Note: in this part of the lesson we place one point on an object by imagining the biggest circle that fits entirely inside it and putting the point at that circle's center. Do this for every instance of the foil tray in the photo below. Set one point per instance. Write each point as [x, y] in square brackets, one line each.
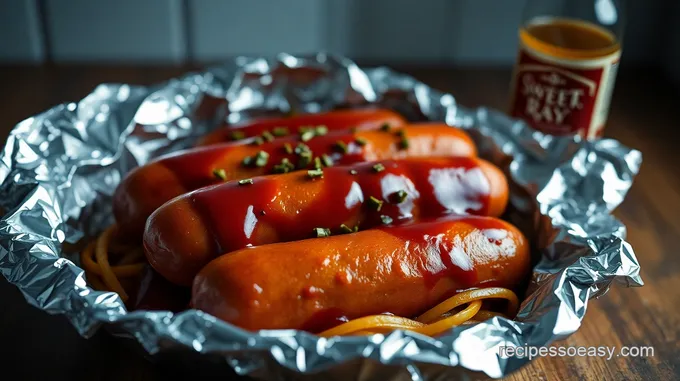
[59, 169]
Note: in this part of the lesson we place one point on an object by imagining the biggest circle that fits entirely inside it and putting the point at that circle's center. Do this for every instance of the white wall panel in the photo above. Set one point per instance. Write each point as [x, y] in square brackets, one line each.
[222, 29]
[483, 31]
[121, 30]
[21, 37]
[392, 30]
[467, 32]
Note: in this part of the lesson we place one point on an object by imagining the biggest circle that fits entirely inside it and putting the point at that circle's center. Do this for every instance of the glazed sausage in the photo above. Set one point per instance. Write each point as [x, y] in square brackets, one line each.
[333, 121]
[147, 187]
[317, 283]
[187, 232]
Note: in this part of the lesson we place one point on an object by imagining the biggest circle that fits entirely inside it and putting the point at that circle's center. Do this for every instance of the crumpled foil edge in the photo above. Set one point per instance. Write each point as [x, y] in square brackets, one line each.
[58, 170]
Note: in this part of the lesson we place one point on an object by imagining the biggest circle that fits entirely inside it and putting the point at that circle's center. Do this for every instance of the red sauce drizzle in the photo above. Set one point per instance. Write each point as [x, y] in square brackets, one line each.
[241, 204]
[193, 167]
[420, 238]
[339, 201]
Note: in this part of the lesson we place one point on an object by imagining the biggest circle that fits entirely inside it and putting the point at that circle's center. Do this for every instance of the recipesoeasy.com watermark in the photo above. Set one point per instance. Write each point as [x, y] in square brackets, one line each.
[607, 352]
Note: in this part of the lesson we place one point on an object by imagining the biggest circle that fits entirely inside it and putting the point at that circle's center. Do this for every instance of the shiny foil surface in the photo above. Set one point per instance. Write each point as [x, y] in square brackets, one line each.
[58, 171]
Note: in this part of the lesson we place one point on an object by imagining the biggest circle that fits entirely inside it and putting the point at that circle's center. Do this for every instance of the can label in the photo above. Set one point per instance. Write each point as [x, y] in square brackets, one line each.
[563, 96]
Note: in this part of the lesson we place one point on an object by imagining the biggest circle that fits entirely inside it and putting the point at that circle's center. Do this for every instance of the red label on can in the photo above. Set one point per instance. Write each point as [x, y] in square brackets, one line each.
[561, 97]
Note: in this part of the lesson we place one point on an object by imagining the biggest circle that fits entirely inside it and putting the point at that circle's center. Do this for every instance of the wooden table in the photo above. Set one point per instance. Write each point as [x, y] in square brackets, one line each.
[644, 116]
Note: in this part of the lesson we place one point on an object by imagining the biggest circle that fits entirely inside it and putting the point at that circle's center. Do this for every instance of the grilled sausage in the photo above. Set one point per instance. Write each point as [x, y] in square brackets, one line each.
[317, 283]
[187, 232]
[333, 121]
[150, 186]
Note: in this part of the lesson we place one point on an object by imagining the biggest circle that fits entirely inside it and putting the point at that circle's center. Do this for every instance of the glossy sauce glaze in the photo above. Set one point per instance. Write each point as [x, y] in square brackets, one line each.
[333, 121]
[194, 168]
[295, 206]
[148, 187]
[460, 256]
[416, 265]
[441, 256]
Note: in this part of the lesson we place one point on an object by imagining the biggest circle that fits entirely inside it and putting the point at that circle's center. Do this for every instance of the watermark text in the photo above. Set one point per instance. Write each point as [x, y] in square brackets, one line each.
[607, 352]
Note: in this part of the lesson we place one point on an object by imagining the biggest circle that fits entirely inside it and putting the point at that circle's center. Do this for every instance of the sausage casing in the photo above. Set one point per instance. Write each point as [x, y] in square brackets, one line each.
[317, 283]
[148, 187]
[337, 120]
[187, 232]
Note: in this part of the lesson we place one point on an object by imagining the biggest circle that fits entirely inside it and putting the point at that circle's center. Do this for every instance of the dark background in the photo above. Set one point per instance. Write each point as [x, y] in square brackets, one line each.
[53, 51]
[424, 32]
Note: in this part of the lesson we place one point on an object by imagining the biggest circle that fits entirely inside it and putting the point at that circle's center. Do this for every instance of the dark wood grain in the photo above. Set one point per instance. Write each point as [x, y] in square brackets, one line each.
[644, 116]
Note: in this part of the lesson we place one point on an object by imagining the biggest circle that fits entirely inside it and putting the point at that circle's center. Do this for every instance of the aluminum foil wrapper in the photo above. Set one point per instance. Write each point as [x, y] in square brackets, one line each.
[58, 171]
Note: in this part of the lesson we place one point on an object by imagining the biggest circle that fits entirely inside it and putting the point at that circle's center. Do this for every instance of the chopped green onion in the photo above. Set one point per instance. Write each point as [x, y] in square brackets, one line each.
[398, 197]
[353, 172]
[321, 130]
[220, 174]
[345, 228]
[237, 135]
[258, 140]
[378, 167]
[356, 228]
[317, 163]
[361, 141]
[342, 146]
[288, 148]
[322, 232]
[267, 136]
[385, 127]
[245, 181]
[374, 203]
[307, 135]
[305, 159]
[403, 143]
[285, 166]
[280, 131]
[327, 161]
[261, 159]
[300, 148]
[314, 173]
[247, 161]
[386, 219]
[401, 133]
